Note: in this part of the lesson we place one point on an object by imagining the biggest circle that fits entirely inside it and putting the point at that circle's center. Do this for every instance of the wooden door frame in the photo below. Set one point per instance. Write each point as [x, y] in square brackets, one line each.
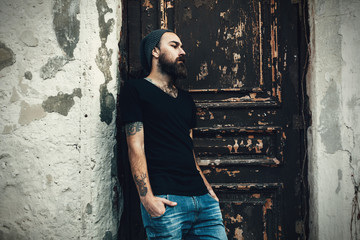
[302, 122]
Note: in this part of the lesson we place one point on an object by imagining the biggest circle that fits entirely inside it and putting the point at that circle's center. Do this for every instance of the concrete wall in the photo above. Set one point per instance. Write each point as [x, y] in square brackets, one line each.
[58, 86]
[334, 138]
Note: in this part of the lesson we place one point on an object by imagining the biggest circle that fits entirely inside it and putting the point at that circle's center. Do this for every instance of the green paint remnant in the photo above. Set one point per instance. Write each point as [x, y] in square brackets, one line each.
[62, 103]
[107, 104]
[29, 113]
[2, 156]
[28, 75]
[7, 56]
[103, 61]
[88, 208]
[105, 27]
[66, 24]
[53, 65]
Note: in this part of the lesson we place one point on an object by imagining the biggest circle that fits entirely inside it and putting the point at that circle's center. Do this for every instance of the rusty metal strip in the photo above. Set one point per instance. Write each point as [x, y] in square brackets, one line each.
[248, 186]
[243, 162]
[163, 17]
[248, 104]
[215, 90]
[260, 46]
[258, 129]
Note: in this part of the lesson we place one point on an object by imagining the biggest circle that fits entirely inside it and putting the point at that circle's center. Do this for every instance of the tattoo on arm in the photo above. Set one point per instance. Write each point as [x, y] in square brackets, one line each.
[140, 182]
[133, 128]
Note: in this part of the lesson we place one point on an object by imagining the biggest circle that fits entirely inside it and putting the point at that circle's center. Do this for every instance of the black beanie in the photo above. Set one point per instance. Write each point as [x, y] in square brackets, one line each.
[147, 45]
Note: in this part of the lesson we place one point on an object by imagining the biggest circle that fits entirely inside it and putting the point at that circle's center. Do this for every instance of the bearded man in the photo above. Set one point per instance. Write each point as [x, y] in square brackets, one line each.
[177, 202]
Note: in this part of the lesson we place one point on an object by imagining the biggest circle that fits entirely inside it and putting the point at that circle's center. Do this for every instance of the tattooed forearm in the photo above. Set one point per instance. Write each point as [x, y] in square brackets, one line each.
[140, 182]
[133, 128]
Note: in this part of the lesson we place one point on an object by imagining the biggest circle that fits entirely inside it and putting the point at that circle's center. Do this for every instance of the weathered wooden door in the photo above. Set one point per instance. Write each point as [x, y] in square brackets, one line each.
[242, 57]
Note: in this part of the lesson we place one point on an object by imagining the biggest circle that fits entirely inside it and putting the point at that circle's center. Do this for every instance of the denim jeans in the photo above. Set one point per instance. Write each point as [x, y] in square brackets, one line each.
[196, 217]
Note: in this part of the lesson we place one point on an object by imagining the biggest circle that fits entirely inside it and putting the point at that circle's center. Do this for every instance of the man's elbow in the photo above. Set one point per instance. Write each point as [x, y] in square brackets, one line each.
[135, 151]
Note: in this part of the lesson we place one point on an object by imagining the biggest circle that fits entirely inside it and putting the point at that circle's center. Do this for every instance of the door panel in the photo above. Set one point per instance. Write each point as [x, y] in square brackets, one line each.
[232, 50]
[223, 146]
[242, 59]
[251, 211]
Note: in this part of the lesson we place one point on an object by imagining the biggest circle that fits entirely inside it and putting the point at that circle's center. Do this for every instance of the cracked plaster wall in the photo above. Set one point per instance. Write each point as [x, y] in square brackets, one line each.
[58, 175]
[334, 135]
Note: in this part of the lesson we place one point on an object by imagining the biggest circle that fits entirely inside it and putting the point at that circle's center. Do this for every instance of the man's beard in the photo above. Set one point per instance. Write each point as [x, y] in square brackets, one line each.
[177, 70]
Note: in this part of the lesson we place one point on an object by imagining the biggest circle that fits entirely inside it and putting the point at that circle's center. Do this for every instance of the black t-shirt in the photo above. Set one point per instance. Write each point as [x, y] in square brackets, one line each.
[168, 147]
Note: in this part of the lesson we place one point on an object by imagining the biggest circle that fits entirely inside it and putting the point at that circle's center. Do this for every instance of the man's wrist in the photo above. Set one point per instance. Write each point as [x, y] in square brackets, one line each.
[147, 198]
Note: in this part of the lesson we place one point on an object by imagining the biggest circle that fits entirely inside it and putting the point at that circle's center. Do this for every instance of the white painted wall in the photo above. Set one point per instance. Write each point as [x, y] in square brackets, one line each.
[334, 137]
[55, 169]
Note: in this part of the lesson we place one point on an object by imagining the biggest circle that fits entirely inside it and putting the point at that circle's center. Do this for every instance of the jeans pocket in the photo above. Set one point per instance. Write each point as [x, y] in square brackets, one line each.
[157, 217]
[162, 196]
[166, 207]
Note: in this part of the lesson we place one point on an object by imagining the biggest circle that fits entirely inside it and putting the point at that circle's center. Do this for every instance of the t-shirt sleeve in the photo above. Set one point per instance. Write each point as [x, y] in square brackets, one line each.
[193, 116]
[130, 104]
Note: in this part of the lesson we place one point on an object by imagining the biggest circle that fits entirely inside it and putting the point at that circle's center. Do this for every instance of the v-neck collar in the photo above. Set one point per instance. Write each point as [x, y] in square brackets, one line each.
[152, 83]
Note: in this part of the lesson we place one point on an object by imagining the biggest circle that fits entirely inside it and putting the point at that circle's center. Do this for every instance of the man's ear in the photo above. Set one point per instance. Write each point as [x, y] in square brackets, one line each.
[156, 52]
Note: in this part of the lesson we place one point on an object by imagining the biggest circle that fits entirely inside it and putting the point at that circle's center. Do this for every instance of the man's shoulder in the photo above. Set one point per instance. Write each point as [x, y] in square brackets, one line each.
[136, 82]
[138, 85]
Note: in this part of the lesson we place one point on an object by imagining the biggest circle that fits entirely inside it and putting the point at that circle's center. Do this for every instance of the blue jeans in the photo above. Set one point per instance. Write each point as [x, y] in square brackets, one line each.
[196, 217]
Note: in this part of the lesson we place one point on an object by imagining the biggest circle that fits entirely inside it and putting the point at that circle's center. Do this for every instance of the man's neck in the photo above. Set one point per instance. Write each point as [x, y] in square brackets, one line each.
[161, 79]
[163, 82]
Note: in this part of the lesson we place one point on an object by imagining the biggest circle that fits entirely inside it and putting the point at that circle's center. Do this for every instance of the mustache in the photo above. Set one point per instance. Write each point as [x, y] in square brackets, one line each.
[181, 58]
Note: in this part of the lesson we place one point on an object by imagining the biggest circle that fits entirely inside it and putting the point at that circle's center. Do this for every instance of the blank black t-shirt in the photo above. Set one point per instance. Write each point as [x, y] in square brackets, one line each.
[168, 147]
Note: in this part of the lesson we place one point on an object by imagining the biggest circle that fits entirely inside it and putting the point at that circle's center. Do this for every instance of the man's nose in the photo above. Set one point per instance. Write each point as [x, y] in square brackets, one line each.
[182, 52]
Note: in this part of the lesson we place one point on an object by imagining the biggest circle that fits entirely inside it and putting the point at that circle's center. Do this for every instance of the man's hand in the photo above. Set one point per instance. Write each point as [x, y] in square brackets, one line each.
[155, 206]
[213, 195]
